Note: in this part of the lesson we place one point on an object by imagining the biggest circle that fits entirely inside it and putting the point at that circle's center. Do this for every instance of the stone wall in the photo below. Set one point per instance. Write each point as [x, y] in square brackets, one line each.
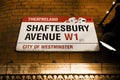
[12, 11]
[60, 68]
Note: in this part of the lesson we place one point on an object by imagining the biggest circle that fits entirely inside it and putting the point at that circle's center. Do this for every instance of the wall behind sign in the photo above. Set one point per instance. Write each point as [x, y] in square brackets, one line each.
[12, 11]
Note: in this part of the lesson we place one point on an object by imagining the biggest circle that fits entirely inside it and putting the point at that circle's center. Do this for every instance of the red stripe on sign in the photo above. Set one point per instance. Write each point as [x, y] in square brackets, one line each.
[44, 19]
[88, 19]
[56, 19]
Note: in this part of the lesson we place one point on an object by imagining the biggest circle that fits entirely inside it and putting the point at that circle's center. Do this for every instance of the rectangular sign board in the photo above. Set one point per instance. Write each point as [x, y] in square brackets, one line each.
[53, 33]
